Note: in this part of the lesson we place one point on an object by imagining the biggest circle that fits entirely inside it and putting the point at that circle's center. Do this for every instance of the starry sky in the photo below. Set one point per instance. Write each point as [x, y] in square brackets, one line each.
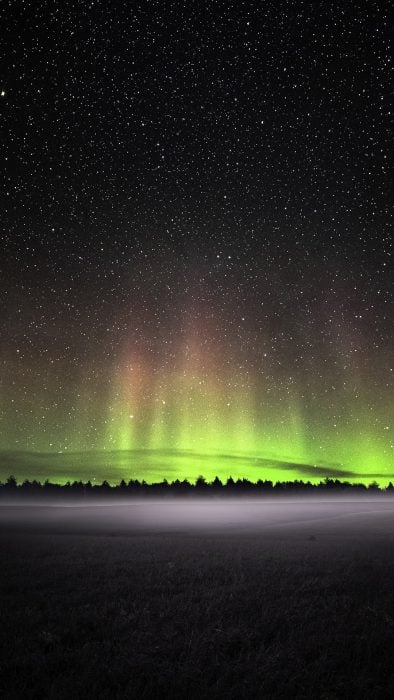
[195, 244]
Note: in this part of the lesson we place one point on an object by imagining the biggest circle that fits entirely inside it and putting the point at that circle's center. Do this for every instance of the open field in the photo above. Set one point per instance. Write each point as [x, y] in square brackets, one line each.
[291, 599]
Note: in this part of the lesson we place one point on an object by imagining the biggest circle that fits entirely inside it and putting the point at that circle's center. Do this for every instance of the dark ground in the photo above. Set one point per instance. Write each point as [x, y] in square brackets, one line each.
[294, 602]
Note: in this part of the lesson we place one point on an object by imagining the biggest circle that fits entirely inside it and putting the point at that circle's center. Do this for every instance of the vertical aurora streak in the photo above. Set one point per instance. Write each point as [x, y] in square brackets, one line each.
[210, 410]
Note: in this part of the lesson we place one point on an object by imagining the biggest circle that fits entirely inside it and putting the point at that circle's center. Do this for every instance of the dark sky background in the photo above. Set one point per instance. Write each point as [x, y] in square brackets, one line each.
[196, 237]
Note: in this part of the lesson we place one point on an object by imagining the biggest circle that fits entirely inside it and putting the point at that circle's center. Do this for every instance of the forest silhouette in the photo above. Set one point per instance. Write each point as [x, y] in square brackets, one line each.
[200, 487]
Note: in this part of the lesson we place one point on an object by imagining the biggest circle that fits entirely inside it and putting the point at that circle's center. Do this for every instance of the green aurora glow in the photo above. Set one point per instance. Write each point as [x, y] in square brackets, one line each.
[202, 419]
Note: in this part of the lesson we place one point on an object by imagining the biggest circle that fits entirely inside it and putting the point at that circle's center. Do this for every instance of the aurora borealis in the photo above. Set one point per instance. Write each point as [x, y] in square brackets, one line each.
[195, 269]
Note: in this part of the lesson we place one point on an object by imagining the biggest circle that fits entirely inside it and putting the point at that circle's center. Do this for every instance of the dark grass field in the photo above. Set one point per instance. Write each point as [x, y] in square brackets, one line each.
[250, 600]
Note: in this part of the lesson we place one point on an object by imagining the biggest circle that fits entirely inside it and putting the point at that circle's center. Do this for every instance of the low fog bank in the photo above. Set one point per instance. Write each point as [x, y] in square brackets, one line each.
[136, 516]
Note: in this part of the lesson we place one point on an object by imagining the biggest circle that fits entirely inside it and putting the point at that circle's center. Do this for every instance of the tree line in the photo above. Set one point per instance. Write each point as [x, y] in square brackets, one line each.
[201, 486]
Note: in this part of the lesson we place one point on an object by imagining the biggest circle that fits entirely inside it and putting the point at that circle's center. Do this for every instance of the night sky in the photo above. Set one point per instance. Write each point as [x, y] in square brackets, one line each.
[195, 243]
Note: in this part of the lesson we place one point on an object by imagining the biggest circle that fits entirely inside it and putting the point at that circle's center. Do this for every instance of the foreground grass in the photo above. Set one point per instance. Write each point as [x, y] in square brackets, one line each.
[196, 616]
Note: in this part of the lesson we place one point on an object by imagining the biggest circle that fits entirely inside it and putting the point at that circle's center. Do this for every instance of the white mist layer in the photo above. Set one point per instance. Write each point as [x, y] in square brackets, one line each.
[233, 516]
